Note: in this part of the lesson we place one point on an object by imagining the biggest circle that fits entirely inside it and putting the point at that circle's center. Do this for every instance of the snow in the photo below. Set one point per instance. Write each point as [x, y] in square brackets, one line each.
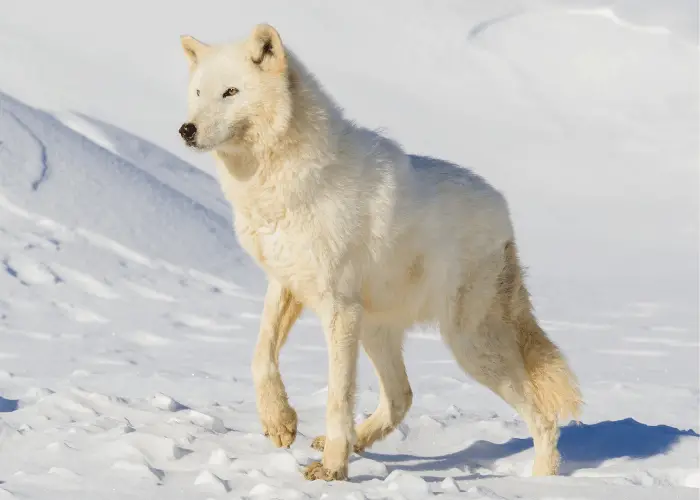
[128, 312]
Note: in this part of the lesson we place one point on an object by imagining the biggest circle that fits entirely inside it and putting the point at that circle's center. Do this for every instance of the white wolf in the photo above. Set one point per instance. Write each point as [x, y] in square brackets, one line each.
[373, 241]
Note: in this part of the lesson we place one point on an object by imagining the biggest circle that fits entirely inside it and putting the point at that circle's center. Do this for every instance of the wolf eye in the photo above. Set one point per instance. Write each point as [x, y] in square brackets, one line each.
[229, 92]
[197, 91]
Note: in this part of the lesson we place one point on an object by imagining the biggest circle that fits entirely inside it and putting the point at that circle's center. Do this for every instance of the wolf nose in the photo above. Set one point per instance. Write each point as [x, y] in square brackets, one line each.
[188, 131]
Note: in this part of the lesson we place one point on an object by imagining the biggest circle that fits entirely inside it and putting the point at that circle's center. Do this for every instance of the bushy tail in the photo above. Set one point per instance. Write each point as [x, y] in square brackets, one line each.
[554, 386]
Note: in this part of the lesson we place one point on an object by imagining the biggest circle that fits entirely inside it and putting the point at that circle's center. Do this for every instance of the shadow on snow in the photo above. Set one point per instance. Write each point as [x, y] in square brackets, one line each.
[8, 405]
[581, 446]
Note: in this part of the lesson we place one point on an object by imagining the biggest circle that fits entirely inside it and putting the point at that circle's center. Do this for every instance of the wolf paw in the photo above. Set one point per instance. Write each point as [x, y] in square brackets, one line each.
[547, 465]
[319, 444]
[282, 428]
[316, 470]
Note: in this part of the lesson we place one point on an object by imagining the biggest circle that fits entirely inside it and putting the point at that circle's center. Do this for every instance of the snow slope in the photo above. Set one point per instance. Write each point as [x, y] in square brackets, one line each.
[128, 313]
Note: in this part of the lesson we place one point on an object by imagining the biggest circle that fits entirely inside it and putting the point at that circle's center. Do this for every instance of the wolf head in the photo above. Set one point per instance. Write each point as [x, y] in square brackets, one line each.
[238, 93]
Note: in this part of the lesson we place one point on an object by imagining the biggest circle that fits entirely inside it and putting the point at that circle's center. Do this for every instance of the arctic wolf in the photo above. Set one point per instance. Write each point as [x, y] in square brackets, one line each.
[372, 240]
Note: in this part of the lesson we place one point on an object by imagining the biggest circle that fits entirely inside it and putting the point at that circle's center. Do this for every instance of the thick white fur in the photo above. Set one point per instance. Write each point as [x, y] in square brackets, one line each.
[373, 240]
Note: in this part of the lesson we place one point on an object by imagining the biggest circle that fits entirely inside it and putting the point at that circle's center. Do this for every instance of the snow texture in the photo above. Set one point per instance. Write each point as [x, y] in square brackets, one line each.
[128, 312]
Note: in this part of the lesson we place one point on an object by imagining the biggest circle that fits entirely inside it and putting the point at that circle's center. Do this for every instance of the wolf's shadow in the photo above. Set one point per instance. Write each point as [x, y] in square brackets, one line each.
[582, 446]
[8, 405]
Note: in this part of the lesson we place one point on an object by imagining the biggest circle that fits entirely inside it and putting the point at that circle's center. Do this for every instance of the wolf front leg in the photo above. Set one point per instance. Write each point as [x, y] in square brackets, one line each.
[280, 311]
[341, 325]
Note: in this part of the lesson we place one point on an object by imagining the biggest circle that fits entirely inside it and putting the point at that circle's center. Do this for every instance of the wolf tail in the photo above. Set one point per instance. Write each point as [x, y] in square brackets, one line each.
[552, 383]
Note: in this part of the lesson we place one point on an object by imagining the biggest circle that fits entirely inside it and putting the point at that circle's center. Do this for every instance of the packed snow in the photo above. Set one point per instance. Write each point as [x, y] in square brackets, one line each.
[128, 312]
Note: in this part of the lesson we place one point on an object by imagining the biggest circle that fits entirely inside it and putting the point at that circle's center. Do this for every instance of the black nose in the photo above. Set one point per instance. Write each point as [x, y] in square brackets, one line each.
[188, 131]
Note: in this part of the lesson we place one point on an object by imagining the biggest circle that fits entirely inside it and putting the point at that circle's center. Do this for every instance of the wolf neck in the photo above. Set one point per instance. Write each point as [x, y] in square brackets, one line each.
[310, 141]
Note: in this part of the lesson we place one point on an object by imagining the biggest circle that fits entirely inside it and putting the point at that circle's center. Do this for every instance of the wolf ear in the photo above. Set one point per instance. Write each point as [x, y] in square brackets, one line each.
[194, 49]
[266, 49]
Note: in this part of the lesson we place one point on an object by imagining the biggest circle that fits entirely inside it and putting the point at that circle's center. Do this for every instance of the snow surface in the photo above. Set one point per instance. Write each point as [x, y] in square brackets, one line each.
[128, 313]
